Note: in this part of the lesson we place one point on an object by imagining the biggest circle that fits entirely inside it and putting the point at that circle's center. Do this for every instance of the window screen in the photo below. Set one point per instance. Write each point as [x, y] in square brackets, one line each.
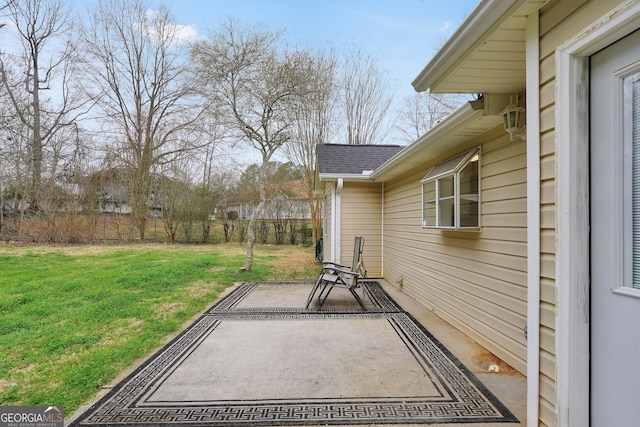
[635, 179]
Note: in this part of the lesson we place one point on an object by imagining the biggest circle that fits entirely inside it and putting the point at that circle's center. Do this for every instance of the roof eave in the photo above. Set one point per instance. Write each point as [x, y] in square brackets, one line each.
[446, 136]
[486, 17]
[345, 176]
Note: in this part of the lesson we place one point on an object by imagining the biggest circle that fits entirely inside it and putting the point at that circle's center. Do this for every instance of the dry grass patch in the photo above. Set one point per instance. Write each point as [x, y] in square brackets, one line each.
[294, 263]
[202, 288]
[4, 384]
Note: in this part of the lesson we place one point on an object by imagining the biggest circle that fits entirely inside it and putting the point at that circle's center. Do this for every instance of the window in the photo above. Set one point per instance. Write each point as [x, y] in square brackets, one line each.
[451, 193]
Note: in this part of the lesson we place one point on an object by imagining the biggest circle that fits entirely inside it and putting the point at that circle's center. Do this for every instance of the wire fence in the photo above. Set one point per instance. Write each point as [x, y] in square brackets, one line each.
[110, 228]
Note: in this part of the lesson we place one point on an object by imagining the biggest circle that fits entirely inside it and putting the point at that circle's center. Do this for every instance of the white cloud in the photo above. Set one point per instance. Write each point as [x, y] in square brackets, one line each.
[183, 33]
[445, 28]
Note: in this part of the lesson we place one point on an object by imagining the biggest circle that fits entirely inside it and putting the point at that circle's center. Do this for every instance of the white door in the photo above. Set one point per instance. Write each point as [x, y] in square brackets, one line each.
[615, 239]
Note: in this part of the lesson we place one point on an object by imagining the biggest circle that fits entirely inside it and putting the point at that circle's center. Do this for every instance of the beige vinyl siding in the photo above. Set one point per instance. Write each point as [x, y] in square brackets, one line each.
[476, 280]
[362, 216]
[559, 22]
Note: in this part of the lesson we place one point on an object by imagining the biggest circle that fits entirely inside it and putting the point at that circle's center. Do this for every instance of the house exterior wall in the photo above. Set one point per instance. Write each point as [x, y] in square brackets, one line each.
[476, 280]
[559, 22]
[362, 216]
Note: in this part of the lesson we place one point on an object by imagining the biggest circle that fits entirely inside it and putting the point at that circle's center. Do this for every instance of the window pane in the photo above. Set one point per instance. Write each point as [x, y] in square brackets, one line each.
[469, 178]
[469, 213]
[446, 201]
[446, 212]
[429, 214]
[446, 187]
[429, 208]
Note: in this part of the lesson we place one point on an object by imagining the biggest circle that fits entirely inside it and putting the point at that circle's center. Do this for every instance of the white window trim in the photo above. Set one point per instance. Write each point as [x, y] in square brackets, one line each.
[627, 292]
[455, 171]
[572, 191]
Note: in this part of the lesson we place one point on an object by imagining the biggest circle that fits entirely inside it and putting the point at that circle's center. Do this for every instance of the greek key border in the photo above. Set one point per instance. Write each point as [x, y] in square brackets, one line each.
[382, 302]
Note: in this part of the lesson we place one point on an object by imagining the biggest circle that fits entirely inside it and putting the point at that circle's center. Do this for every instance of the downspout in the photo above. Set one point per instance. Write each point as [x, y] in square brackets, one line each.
[338, 216]
[382, 234]
[533, 217]
[332, 246]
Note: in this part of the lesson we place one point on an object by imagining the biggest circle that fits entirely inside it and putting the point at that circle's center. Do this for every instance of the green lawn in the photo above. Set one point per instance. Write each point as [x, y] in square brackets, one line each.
[72, 318]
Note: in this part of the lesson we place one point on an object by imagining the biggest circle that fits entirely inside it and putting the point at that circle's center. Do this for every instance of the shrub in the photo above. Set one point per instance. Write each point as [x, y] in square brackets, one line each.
[58, 229]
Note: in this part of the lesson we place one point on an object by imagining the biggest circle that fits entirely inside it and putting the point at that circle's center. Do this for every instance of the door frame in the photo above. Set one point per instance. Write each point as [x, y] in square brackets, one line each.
[572, 209]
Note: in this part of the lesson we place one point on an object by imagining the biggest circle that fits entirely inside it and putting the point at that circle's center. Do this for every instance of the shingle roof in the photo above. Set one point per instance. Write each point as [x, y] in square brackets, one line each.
[352, 159]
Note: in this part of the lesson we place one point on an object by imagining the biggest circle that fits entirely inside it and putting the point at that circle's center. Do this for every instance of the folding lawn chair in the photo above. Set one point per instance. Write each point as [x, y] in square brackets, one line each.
[340, 275]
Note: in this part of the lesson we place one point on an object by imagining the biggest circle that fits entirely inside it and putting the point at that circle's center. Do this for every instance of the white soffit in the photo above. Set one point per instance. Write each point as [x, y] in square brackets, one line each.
[487, 54]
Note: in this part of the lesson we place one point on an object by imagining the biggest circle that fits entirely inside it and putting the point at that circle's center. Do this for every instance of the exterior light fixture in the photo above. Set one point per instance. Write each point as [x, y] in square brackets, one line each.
[513, 117]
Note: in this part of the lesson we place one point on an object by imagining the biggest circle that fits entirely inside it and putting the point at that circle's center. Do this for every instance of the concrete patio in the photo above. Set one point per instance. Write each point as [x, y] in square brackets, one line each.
[258, 357]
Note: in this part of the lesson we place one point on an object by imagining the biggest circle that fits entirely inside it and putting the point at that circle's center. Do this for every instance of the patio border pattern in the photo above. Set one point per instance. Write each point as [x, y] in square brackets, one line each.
[462, 398]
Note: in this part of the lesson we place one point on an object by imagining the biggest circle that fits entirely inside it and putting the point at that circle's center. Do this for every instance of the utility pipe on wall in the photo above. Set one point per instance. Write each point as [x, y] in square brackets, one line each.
[338, 215]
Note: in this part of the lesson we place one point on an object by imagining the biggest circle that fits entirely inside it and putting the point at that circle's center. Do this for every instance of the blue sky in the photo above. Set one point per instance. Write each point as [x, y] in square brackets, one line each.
[403, 34]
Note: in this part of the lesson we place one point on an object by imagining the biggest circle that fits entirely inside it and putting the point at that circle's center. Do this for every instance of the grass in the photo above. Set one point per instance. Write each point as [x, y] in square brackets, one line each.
[75, 317]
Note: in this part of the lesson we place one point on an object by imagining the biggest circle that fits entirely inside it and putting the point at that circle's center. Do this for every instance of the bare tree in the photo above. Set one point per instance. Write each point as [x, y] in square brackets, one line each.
[367, 99]
[222, 183]
[204, 167]
[172, 191]
[421, 111]
[3, 6]
[9, 167]
[257, 81]
[138, 75]
[214, 131]
[43, 61]
[314, 124]
[14, 164]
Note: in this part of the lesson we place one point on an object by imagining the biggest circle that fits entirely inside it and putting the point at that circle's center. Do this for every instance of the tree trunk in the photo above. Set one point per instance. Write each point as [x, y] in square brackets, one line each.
[250, 241]
[316, 217]
[255, 215]
[36, 146]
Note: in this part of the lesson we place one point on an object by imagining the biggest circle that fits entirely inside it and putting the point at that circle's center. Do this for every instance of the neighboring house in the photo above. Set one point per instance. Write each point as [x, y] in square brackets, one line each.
[498, 233]
[285, 201]
[237, 209]
[113, 200]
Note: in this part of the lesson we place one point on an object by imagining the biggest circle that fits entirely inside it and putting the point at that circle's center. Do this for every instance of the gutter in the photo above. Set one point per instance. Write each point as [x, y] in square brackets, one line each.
[344, 177]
